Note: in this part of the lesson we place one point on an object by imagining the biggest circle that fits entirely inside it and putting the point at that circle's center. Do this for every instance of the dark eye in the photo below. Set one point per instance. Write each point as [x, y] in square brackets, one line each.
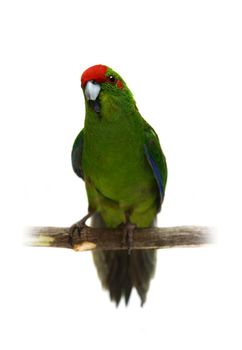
[112, 78]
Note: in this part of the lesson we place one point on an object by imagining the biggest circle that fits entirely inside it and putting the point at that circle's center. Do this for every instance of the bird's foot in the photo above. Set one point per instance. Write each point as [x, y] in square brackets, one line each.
[128, 234]
[76, 230]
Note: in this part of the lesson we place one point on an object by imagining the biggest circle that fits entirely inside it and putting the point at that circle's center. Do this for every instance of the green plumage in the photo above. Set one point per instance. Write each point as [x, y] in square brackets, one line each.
[119, 157]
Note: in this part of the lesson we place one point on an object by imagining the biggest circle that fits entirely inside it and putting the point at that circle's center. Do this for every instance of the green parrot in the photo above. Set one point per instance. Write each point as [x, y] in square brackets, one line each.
[118, 155]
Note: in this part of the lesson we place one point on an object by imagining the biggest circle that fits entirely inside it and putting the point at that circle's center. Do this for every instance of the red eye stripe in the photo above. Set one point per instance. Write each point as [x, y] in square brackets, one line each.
[112, 80]
[120, 84]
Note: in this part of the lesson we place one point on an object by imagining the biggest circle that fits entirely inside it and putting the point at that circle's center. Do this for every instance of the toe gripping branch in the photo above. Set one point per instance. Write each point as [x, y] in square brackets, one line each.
[76, 230]
[128, 235]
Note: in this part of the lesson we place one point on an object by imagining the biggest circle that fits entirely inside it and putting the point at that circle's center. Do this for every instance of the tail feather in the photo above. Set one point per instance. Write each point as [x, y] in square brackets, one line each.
[119, 271]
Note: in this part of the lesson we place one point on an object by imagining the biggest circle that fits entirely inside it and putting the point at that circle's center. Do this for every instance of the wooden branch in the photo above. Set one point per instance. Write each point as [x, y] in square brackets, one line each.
[111, 239]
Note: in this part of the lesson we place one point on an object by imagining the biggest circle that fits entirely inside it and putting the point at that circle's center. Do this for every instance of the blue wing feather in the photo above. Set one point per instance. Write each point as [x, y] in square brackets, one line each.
[156, 159]
[156, 171]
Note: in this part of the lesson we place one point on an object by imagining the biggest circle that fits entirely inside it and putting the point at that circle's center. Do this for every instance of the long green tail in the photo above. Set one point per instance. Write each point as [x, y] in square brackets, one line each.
[119, 271]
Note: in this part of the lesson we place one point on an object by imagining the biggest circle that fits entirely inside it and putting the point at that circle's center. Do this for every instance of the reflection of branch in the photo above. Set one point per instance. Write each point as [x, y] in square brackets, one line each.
[111, 239]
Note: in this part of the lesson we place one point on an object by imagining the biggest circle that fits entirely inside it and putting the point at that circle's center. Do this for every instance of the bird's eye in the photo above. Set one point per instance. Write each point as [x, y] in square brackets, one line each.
[112, 78]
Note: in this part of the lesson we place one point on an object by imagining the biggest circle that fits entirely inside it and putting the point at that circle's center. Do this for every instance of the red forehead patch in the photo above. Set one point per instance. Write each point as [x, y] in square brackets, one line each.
[97, 73]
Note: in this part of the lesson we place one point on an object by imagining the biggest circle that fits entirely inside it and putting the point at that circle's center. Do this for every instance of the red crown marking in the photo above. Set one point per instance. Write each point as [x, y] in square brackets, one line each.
[97, 73]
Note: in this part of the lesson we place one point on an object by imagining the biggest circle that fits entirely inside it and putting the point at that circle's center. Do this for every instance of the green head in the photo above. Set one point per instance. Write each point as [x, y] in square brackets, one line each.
[105, 92]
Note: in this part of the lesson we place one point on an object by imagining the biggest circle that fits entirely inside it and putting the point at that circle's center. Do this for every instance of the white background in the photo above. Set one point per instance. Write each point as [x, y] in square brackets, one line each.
[182, 60]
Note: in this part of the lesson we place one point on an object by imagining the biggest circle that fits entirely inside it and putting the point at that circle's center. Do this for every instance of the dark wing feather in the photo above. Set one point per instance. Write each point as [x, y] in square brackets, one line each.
[76, 154]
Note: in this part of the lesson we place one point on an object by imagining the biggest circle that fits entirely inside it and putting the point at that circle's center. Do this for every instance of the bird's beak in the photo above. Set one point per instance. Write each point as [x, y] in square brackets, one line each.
[92, 90]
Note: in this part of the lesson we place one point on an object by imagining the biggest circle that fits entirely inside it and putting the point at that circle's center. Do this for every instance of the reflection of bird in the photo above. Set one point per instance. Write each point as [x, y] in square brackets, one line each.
[119, 157]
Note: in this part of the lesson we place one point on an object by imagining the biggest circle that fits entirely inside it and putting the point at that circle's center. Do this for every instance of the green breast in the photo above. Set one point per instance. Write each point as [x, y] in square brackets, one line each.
[114, 160]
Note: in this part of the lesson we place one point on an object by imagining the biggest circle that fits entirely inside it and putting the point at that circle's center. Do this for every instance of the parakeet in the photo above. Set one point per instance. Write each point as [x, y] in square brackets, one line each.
[118, 155]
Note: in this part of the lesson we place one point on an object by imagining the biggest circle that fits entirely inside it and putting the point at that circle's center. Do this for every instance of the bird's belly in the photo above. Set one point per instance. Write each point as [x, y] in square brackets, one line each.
[123, 182]
[116, 196]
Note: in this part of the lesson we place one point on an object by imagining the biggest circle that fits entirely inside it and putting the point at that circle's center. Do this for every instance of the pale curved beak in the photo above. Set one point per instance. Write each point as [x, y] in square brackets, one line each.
[92, 90]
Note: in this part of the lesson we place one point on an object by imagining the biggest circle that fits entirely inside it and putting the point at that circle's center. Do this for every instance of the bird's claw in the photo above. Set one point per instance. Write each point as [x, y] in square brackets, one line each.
[128, 234]
[76, 230]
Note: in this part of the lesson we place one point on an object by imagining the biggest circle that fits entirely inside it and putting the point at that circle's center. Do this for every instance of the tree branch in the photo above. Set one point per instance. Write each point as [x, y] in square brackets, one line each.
[111, 239]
